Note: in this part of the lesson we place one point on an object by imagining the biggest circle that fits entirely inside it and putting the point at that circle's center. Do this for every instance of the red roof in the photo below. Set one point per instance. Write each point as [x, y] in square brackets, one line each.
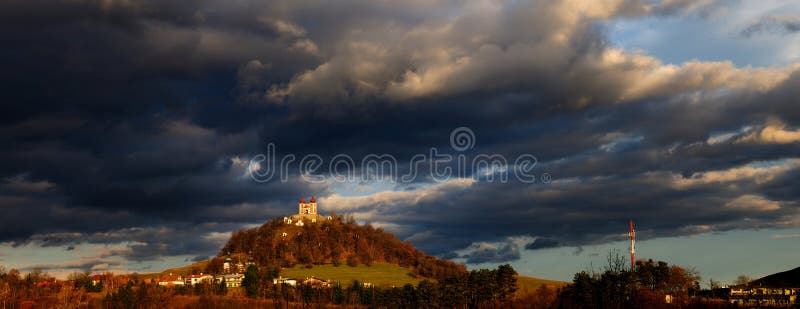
[171, 277]
[302, 200]
[44, 283]
[313, 200]
[97, 277]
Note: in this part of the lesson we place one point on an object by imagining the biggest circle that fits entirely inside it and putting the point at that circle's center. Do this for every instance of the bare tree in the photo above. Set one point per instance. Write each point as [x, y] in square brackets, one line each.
[741, 280]
[616, 262]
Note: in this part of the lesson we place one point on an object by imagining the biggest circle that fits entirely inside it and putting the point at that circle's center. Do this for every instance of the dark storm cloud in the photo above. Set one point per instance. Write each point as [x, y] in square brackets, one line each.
[198, 258]
[490, 254]
[148, 243]
[542, 243]
[112, 104]
[93, 264]
[134, 121]
[590, 210]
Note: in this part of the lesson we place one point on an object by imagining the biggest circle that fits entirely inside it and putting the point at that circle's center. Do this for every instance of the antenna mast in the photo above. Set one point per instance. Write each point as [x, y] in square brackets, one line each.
[632, 234]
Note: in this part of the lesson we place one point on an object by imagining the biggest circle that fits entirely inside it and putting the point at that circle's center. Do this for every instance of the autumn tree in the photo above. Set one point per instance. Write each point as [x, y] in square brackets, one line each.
[652, 275]
[618, 287]
[682, 282]
[506, 281]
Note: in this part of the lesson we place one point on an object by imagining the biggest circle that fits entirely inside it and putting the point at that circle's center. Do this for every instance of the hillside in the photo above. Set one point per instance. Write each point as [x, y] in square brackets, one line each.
[193, 268]
[785, 279]
[335, 241]
[381, 274]
[528, 284]
[388, 275]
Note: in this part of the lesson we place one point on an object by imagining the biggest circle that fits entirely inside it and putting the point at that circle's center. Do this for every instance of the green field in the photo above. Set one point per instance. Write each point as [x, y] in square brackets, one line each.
[380, 274]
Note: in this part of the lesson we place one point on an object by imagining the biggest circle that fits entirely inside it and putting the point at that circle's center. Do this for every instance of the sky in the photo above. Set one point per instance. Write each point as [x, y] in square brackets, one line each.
[134, 133]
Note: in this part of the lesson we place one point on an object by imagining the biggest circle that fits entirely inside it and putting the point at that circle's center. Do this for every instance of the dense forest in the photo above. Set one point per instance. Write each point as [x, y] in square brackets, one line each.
[335, 241]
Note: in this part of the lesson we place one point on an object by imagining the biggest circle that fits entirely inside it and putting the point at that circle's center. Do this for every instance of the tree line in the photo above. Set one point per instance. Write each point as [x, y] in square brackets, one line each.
[615, 287]
[651, 284]
[475, 289]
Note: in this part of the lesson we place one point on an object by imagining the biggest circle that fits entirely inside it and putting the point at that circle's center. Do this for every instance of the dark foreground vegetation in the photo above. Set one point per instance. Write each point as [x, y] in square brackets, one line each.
[475, 289]
[651, 285]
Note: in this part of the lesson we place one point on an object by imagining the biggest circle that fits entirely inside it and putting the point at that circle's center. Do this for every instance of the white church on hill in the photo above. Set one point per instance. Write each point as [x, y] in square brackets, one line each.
[309, 208]
[305, 212]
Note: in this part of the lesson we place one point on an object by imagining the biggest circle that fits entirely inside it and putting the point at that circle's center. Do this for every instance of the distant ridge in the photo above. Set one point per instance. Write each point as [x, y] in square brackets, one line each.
[785, 279]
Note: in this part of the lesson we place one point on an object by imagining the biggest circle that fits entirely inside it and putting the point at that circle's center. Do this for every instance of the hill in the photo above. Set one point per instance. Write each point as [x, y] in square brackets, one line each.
[336, 249]
[335, 240]
[785, 279]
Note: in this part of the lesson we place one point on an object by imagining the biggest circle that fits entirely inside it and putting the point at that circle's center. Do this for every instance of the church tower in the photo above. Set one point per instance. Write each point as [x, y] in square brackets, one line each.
[306, 211]
[309, 208]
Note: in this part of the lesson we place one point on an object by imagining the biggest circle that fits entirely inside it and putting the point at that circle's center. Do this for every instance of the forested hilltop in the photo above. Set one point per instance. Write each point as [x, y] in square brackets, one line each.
[335, 240]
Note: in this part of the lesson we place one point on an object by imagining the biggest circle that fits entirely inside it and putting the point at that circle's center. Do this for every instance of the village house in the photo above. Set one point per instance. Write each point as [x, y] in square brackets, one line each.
[231, 266]
[97, 280]
[230, 280]
[748, 296]
[316, 282]
[287, 281]
[171, 280]
[250, 260]
[226, 266]
[47, 284]
[197, 279]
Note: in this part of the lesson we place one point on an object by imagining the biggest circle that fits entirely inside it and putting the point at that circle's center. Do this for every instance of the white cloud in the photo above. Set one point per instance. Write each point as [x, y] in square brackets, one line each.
[760, 172]
[390, 198]
[775, 133]
[720, 138]
[753, 202]
[784, 236]
[445, 57]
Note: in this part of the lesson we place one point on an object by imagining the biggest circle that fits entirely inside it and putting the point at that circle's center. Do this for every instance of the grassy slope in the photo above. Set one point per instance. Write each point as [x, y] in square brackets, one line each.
[183, 271]
[531, 283]
[381, 274]
[387, 275]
